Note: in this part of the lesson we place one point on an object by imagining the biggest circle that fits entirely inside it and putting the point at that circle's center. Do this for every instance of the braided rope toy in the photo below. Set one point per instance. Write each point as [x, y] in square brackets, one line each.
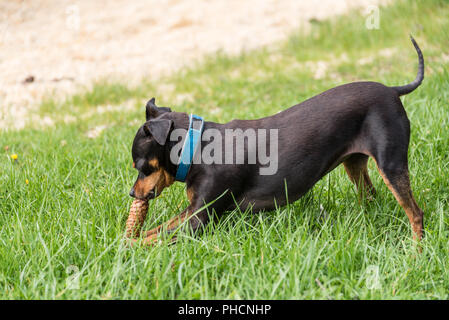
[136, 218]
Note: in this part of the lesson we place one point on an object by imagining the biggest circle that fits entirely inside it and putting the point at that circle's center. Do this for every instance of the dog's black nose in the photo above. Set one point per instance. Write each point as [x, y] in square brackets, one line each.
[132, 193]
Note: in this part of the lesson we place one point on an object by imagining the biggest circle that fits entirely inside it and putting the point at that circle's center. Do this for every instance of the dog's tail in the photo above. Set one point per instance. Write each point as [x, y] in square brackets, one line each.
[401, 90]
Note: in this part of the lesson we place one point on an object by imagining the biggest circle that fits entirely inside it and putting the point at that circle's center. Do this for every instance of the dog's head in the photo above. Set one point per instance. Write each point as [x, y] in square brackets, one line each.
[148, 152]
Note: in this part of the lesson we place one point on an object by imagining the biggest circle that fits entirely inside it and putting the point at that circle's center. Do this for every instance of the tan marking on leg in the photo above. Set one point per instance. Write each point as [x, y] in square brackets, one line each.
[155, 239]
[150, 240]
[404, 196]
[190, 194]
[153, 236]
[177, 221]
[170, 224]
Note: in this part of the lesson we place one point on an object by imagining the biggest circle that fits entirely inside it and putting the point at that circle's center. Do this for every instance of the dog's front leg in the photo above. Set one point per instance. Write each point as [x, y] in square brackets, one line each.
[191, 218]
[196, 215]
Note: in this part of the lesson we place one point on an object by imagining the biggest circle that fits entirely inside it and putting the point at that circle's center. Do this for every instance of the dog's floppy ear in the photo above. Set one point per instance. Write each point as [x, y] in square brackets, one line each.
[159, 129]
[153, 111]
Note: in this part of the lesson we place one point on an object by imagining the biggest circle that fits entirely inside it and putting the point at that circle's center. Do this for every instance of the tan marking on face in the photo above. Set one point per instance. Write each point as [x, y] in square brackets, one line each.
[134, 164]
[158, 181]
[154, 163]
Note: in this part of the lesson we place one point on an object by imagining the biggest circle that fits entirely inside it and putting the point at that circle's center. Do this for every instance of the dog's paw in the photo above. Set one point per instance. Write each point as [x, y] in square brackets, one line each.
[130, 243]
[149, 241]
[152, 240]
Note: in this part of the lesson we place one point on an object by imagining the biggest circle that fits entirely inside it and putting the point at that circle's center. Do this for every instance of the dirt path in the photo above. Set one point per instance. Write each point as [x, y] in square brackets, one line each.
[57, 47]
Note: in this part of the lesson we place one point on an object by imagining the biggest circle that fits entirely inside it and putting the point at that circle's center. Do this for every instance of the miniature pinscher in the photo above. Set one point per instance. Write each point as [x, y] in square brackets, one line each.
[347, 124]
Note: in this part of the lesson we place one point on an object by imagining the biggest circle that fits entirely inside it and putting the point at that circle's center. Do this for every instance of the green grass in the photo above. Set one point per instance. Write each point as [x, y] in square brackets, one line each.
[69, 219]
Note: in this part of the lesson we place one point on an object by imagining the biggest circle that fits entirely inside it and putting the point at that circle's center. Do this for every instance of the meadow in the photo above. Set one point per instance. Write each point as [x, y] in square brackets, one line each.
[64, 188]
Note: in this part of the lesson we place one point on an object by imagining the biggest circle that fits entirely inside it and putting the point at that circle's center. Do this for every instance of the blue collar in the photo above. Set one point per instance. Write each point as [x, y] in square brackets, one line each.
[191, 141]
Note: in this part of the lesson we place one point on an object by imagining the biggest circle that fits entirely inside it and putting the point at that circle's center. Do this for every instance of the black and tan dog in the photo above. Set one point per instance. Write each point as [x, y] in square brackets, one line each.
[347, 124]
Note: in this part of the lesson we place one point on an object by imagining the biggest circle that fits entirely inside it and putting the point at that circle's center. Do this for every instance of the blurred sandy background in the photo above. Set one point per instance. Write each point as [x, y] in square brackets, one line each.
[59, 47]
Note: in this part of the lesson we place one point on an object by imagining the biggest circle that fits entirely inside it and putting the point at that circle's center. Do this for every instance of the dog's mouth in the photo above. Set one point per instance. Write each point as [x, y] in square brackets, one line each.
[150, 195]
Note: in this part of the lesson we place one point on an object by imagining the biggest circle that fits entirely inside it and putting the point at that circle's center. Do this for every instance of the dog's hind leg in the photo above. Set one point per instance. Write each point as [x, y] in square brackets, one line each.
[357, 170]
[389, 151]
[398, 181]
